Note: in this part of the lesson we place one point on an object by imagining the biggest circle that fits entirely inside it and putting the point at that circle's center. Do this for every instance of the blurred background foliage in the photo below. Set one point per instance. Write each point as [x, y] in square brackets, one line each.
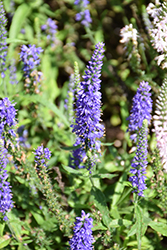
[45, 120]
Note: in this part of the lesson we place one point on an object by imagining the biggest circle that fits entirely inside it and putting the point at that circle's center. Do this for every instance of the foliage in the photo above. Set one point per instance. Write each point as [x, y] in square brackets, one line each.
[44, 52]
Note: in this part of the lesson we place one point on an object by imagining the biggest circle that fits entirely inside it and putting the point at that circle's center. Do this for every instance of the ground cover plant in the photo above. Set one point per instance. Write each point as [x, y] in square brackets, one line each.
[83, 125]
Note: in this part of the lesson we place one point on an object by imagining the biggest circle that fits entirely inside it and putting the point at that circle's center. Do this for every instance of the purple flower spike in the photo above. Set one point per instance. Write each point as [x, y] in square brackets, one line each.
[87, 125]
[141, 109]
[6, 202]
[3, 44]
[82, 238]
[139, 162]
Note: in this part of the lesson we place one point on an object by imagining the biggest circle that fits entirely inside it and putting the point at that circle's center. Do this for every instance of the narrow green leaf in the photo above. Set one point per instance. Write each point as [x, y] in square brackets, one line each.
[138, 213]
[107, 143]
[133, 230]
[102, 176]
[100, 203]
[18, 19]
[2, 226]
[79, 172]
[159, 227]
[119, 190]
[13, 40]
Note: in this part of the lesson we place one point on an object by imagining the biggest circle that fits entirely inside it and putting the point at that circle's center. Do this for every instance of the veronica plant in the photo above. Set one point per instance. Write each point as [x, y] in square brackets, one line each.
[3, 44]
[82, 238]
[138, 124]
[87, 125]
[29, 55]
[7, 132]
[83, 15]
[159, 30]
[160, 124]
[129, 37]
[7, 119]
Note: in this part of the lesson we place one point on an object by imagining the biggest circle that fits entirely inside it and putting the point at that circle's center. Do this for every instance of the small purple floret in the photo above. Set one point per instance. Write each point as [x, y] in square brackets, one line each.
[41, 155]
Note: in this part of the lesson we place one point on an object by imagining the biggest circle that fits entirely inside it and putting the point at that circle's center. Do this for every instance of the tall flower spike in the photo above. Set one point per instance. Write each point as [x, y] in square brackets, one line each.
[83, 15]
[29, 55]
[6, 202]
[82, 238]
[160, 123]
[3, 44]
[159, 30]
[87, 125]
[141, 109]
[139, 162]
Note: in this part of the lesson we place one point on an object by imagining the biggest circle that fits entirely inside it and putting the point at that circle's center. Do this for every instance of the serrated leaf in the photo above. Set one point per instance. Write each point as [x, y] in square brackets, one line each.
[100, 203]
[159, 227]
[4, 242]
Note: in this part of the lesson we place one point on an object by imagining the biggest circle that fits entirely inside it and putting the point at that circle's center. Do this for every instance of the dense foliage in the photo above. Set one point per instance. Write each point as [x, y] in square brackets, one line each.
[83, 124]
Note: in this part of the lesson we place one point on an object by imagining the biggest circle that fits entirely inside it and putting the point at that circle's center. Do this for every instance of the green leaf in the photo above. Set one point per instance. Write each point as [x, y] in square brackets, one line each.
[133, 230]
[2, 226]
[102, 176]
[13, 40]
[99, 226]
[46, 103]
[119, 222]
[159, 227]
[79, 172]
[4, 242]
[39, 219]
[107, 143]
[18, 19]
[138, 213]
[100, 203]
[119, 190]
